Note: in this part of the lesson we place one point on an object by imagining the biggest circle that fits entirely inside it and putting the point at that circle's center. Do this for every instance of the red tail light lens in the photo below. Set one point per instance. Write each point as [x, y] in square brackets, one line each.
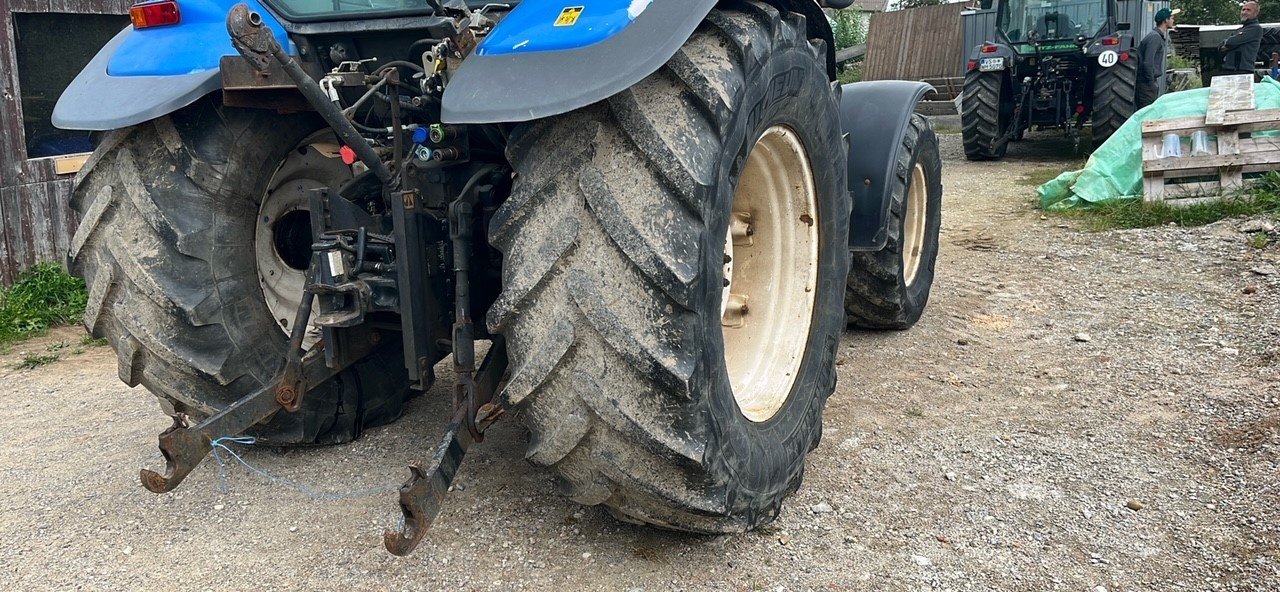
[1124, 56]
[155, 14]
[989, 49]
[1114, 40]
[972, 64]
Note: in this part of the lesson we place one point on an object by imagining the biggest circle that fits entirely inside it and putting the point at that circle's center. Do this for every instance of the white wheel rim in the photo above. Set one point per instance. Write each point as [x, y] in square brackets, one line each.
[770, 273]
[917, 209]
[278, 242]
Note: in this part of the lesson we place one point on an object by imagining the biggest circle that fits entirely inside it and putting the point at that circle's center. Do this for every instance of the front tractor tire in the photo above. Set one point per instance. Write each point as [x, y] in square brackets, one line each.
[192, 242]
[674, 266]
[986, 109]
[889, 288]
[1114, 92]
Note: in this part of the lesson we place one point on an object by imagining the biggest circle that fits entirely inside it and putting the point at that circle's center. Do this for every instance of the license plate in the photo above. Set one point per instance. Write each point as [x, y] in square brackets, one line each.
[990, 64]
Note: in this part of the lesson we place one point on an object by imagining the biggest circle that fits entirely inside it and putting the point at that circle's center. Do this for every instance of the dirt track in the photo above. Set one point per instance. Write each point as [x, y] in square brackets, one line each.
[1058, 378]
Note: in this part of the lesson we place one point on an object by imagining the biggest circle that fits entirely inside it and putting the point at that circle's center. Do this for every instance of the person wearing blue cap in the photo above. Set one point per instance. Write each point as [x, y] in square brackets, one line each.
[1153, 59]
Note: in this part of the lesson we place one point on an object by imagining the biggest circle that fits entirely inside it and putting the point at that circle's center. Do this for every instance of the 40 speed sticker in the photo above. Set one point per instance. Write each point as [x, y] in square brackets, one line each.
[1108, 58]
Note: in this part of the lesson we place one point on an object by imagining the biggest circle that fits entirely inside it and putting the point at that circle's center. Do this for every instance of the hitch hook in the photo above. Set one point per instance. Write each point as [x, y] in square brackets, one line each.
[422, 496]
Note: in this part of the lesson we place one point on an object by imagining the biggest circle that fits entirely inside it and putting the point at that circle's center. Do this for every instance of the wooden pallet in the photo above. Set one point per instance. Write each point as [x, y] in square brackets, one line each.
[1187, 179]
[945, 89]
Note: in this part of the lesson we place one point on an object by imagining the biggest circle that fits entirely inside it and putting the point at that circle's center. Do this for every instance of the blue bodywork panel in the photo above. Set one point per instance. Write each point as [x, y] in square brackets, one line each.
[196, 44]
[550, 25]
[148, 73]
[584, 67]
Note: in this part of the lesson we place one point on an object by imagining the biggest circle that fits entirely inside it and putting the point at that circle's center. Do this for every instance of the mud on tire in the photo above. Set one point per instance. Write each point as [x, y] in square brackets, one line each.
[889, 288]
[166, 246]
[614, 241]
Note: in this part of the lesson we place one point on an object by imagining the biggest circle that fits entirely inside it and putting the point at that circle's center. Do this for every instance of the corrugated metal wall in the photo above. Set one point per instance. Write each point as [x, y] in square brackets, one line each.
[915, 44]
[979, 27]
[36, 223]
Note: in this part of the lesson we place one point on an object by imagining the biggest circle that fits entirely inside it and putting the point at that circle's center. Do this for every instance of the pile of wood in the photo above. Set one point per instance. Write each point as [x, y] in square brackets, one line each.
[1234, 155]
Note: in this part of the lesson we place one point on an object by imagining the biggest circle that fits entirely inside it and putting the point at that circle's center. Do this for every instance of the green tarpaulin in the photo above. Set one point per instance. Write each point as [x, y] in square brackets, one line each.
[1114, 170]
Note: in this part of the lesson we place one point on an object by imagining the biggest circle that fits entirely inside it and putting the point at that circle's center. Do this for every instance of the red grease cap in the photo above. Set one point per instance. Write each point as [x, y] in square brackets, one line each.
[348, 155]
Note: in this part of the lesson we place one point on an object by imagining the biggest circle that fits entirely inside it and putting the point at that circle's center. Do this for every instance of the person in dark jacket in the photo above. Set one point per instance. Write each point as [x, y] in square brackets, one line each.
[1153, 59]
[1241, 48]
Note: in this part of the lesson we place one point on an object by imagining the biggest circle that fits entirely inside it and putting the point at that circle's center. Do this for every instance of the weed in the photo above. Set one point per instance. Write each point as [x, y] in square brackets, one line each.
[43, 296]
[850, 74]
[31, 361]
[914, 412]
[1259, 240]
[849, 28]
[57, 346]
[1262, 198]
[89, 341]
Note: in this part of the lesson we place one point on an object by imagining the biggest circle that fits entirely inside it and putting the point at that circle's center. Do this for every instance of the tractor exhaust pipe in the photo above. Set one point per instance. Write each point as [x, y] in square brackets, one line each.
[258, 46]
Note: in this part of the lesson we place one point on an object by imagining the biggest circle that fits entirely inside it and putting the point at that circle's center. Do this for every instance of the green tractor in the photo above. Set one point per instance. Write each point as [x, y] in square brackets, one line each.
[1050, 64]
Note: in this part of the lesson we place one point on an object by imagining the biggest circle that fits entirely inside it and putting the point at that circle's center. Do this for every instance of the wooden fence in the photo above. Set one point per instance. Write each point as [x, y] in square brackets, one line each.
[43, 44]
[916, 44]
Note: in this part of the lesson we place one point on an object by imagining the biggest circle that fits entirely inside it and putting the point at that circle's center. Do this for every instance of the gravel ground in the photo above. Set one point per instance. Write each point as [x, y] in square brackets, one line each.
[1075, 411]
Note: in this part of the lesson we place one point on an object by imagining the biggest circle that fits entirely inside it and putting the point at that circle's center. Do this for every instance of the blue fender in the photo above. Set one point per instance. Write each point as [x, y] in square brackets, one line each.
[874, 116]
[563, 58]
[143, 74]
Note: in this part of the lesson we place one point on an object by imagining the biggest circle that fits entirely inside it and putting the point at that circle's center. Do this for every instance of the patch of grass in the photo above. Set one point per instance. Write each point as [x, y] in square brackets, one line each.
[44, 296]
[850, 74]
[1259, 240]
[1262, 198]
[89, 341]
[1039, 177]
[32, 361]
[915, 412]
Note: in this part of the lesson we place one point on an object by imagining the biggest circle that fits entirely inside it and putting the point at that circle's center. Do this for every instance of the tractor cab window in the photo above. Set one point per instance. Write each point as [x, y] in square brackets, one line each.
[1040, 20]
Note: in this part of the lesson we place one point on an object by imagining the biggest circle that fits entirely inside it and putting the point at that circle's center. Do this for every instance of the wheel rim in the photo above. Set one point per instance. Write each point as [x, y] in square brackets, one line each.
[913, 224]
[770, 273]
[282, 234]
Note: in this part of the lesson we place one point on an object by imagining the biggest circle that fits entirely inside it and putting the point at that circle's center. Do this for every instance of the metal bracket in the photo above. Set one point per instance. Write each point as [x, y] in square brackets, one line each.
[184, 447]
[422, 496]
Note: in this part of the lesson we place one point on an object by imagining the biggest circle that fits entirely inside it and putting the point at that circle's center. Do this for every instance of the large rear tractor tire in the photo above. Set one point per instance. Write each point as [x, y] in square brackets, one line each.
[193, 237]
[889, 288]
[1114, 92]
[984, 115]
[674, 264]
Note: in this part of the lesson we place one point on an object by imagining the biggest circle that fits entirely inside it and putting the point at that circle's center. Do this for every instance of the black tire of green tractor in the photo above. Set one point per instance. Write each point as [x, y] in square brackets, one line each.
[1114, 91]
[877, 293]
[614, 241]
[168, 210]
[982, 117]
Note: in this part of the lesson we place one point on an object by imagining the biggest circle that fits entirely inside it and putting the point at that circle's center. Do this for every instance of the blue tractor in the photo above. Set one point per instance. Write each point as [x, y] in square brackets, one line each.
[659, 215]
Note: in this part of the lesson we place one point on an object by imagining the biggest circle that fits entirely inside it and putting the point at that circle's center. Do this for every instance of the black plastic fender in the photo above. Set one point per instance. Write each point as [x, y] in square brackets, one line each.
[874, 115]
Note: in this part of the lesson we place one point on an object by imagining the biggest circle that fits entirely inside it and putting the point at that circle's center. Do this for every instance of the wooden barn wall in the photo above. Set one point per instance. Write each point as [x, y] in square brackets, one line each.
[36, 222]
[915, 44]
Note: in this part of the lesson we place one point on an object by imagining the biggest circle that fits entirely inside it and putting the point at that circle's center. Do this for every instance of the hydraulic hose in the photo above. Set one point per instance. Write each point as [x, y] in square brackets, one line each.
[258, 45]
